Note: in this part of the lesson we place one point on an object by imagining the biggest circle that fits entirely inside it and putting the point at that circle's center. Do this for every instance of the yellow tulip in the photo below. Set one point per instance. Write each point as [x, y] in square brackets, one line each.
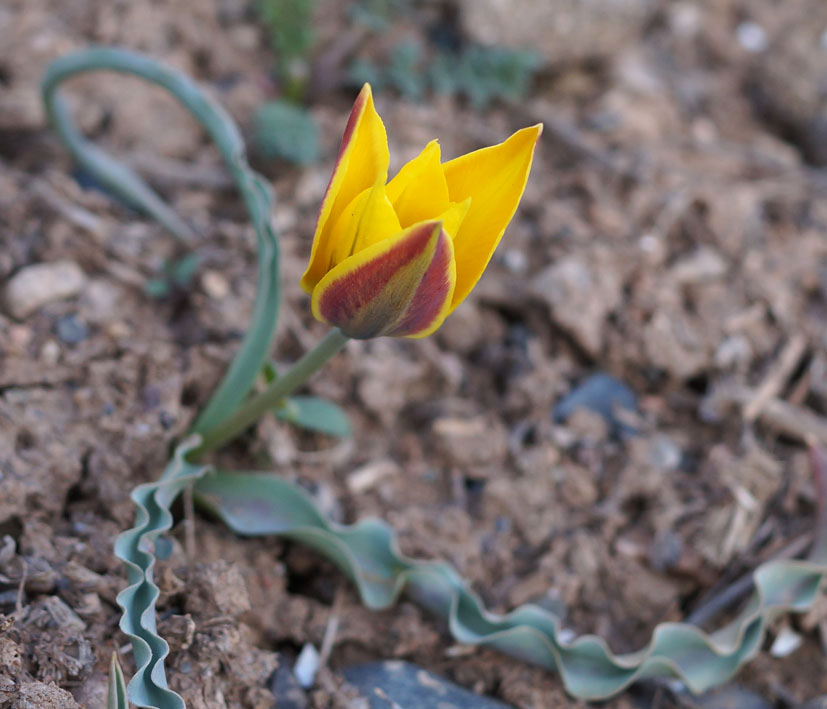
[395, 258]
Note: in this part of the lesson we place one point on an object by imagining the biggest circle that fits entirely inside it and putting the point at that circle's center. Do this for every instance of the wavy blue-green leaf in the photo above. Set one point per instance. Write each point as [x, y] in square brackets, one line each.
[261, 504]
[136, 548]
[148, 687]
[123, 182]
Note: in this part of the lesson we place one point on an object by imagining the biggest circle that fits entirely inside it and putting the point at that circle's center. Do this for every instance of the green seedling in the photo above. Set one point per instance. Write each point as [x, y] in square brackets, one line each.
[176, 277]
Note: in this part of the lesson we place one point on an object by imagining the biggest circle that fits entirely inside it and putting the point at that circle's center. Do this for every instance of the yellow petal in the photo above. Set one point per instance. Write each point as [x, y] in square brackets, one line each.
[367, 220]
[363, 159]
[419, 191]
[400, 287]
[454, 215]
[495, 179]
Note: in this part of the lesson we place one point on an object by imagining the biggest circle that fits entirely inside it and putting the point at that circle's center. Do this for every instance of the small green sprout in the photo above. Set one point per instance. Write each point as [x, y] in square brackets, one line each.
[176, 277]
[289, 25]
[116, 689]
[284, 128]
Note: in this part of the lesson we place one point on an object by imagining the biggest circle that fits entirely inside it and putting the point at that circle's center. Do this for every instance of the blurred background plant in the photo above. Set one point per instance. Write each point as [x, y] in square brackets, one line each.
[382, 48]
[175, 277]
[284, 128]
[475, 72]
[289, 27]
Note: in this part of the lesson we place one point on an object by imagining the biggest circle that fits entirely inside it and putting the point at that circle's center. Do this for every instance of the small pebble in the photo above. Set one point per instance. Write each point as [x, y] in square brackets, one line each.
[685, 19]
[732, 696]
[394, 683]
[34, 286]
[371, 474]
[19, 338]
[71, 329]
[307, 664]
[664, 453]
[603, 394]
[166, 419]
[702, 266]
[666, 550]
[566, 635]
[786, 642]
[515, 260]
[284, 686]
[734, 350]
[50, 353]
[751, 36]
[215, 285]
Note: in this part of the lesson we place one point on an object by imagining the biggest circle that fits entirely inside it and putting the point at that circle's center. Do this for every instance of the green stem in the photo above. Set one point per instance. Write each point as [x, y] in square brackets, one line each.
[260, 404]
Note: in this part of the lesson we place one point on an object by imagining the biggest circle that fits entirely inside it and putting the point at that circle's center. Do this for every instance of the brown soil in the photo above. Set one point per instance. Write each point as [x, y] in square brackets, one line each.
[672, 234]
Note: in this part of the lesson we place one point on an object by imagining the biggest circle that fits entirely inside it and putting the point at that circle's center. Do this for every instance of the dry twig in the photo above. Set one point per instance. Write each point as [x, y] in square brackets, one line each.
[774, 381]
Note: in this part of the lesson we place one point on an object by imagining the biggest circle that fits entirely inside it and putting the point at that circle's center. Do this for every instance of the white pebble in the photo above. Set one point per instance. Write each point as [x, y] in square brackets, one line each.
[215, 285]
[35, 286]
[307, 664]
[786, 642]
[751, 36]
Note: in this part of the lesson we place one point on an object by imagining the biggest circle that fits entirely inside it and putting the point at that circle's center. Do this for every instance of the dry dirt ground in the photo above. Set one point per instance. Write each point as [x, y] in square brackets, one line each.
[672, 235]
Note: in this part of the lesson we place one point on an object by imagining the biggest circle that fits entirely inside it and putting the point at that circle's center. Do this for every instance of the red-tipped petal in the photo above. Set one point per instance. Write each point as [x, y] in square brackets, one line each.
[400, 287]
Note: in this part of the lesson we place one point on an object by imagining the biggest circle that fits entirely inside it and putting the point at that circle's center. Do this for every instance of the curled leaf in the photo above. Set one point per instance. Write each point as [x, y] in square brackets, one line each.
[260, 504]
[123, 182]
[136, 548]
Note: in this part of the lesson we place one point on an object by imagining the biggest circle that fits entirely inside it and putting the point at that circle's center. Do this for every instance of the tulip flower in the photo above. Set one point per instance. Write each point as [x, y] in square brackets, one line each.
[396, 258]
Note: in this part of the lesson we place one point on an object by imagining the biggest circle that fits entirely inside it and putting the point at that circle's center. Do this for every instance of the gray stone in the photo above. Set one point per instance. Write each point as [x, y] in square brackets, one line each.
[603, 394]
[732, 697]
[286, 689]
[664, 453]
[407, 685]
[39, 695]
[71, 329]
[35, 286]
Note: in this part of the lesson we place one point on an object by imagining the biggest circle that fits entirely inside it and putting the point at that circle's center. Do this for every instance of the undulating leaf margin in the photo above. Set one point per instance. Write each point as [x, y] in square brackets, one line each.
[148, 688]
[255, 504]
[136, 548]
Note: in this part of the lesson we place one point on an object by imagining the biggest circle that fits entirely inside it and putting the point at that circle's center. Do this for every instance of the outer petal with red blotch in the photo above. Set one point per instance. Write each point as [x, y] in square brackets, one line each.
[401, 286]
[362, 162]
